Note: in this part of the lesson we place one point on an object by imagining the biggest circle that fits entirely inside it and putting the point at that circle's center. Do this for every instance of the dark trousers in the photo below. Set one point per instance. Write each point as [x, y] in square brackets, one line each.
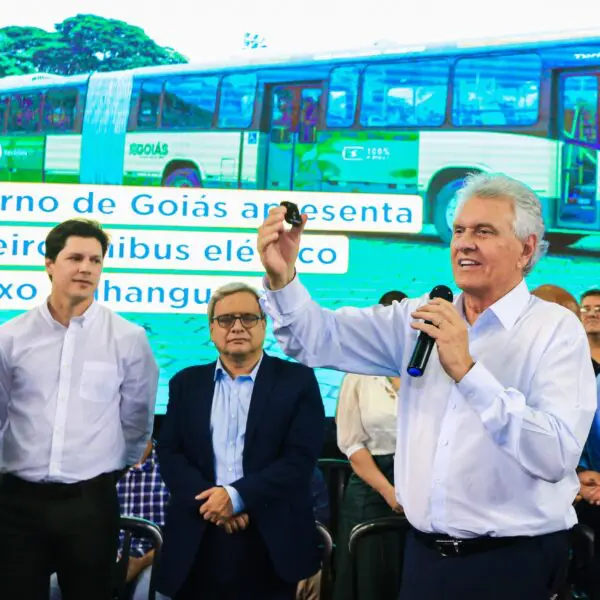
[531, 569]
[234, 567]
[70, 529]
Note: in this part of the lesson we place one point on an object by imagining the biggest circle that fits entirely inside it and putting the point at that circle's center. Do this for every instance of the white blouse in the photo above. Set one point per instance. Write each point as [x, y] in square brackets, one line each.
[366, 415]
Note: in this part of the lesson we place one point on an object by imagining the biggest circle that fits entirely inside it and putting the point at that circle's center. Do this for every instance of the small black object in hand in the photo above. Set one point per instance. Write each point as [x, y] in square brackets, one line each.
[292, 215]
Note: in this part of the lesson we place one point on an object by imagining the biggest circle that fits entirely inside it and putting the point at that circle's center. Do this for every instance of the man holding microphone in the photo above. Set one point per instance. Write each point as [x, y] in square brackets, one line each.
[490, 436]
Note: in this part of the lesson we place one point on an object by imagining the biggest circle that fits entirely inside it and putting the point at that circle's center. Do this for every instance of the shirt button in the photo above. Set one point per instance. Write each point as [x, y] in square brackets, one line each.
[437, 482]
[233, 416]
[445, 442]
[229, 469]
[454, 407]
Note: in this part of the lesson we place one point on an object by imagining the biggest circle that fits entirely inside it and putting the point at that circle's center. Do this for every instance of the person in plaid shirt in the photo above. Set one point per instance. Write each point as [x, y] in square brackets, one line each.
[142, 493]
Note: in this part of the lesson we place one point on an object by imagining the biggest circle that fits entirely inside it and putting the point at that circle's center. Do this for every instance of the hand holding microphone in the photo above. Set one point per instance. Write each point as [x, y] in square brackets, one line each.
[444, 327]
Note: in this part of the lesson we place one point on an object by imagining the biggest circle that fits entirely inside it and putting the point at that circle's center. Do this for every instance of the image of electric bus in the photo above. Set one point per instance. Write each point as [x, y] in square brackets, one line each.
[385, 120]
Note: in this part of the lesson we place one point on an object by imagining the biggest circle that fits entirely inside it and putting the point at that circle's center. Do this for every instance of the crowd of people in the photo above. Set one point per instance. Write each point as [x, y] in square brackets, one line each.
[491, 455]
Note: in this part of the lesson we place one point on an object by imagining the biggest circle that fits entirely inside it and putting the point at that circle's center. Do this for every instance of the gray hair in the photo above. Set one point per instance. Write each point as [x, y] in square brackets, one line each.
[526, 204]
[228, 290]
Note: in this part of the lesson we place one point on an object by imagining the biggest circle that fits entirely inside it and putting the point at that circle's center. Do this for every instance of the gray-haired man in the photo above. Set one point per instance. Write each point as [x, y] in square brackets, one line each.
[489, 438]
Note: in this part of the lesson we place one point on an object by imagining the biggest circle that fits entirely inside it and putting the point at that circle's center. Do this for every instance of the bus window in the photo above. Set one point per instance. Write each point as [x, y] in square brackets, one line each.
[497, 90]
[237, 100]
[580, 109]
[283, 123]
[149, 103]
[24, 113]
[405, 94]
[189, 102]
[308, 120]
[343, 94]
[60, 110]
[4, 106]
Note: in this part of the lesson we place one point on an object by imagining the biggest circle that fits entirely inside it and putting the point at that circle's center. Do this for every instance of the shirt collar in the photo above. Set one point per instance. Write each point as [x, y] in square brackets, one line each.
[221, 372]
[508, 308]
[84, 320]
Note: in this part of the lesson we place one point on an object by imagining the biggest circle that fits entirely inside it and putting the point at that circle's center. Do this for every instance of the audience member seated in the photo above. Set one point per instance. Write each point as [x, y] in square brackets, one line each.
[142, 493]
[366, 428]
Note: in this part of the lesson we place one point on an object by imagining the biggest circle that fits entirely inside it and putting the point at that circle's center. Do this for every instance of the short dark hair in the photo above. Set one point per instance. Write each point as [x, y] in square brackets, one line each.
[389, 297]
[85, 228]
[592, 292]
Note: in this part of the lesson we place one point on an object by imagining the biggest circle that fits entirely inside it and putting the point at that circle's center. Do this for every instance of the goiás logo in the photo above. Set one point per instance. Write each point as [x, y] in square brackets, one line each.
[158, 150]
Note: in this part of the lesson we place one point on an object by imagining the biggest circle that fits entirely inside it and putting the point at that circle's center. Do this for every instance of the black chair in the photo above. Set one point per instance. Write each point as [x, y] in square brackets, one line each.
[144, 529]
[336, 472]
[394, 524]
[580, 574]
[326, 570]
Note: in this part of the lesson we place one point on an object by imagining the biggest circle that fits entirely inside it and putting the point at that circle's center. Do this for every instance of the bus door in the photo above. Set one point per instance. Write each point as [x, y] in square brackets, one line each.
[579, 206]
[292, 157]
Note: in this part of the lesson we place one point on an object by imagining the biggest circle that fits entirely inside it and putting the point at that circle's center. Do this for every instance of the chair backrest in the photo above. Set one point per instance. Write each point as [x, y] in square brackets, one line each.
[136, 527]
[326, 571]
[394, 524]
[582, 563]
[336, 473]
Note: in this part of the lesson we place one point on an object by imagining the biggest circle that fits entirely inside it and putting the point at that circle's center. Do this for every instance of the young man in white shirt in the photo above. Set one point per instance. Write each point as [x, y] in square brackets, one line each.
[77, 393]
[490, 436]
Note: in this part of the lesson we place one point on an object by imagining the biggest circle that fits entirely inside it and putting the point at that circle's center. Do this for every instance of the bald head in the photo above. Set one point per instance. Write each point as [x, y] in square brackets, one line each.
[558, 295]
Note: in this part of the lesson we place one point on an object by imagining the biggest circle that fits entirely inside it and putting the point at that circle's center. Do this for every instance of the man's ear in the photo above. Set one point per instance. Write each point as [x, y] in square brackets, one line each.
[49, 267]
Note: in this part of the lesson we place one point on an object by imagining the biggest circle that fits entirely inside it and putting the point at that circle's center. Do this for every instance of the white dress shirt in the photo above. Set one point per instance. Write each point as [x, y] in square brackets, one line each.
[75, 401]
[366, 415]
[492, 455]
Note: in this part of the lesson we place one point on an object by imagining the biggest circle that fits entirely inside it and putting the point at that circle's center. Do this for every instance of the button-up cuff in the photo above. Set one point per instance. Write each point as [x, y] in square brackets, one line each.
[236, 499]
[480, 388]
[286, 300]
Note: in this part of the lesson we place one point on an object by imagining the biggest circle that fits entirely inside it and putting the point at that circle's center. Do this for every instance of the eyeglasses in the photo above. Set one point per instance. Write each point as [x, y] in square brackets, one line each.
[590, 309]
[248, 320]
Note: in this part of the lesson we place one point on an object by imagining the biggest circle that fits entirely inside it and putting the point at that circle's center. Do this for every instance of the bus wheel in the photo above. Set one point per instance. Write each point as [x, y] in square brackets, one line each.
[183, 177]
[445, 208]
[562, 240]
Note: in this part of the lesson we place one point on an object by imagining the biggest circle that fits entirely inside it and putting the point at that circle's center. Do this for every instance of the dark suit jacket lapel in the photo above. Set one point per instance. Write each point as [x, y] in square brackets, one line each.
[203, 392]
[265, 380]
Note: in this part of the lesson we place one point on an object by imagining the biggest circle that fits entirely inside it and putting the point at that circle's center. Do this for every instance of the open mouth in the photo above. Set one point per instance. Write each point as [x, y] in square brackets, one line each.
[468, 263]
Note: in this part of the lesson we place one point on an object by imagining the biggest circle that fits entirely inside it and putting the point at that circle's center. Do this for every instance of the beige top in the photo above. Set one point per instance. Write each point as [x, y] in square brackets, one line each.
[366, 415]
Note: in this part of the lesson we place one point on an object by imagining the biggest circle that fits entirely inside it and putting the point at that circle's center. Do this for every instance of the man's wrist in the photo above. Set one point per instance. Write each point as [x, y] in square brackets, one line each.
[460, 373]
[277, 282]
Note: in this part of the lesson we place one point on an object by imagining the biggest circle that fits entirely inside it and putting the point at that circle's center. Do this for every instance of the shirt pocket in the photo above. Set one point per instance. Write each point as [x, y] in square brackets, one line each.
[99, 381]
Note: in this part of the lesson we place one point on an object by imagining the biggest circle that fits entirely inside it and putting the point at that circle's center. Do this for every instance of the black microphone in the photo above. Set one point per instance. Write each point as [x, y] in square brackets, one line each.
[424, 345]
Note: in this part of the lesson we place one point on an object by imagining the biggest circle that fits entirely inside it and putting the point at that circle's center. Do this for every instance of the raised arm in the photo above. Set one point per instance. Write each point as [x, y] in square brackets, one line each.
[368, 341]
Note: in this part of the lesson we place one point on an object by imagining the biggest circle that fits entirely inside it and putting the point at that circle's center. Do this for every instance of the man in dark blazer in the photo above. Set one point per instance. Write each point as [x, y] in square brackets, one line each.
[237, 450]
